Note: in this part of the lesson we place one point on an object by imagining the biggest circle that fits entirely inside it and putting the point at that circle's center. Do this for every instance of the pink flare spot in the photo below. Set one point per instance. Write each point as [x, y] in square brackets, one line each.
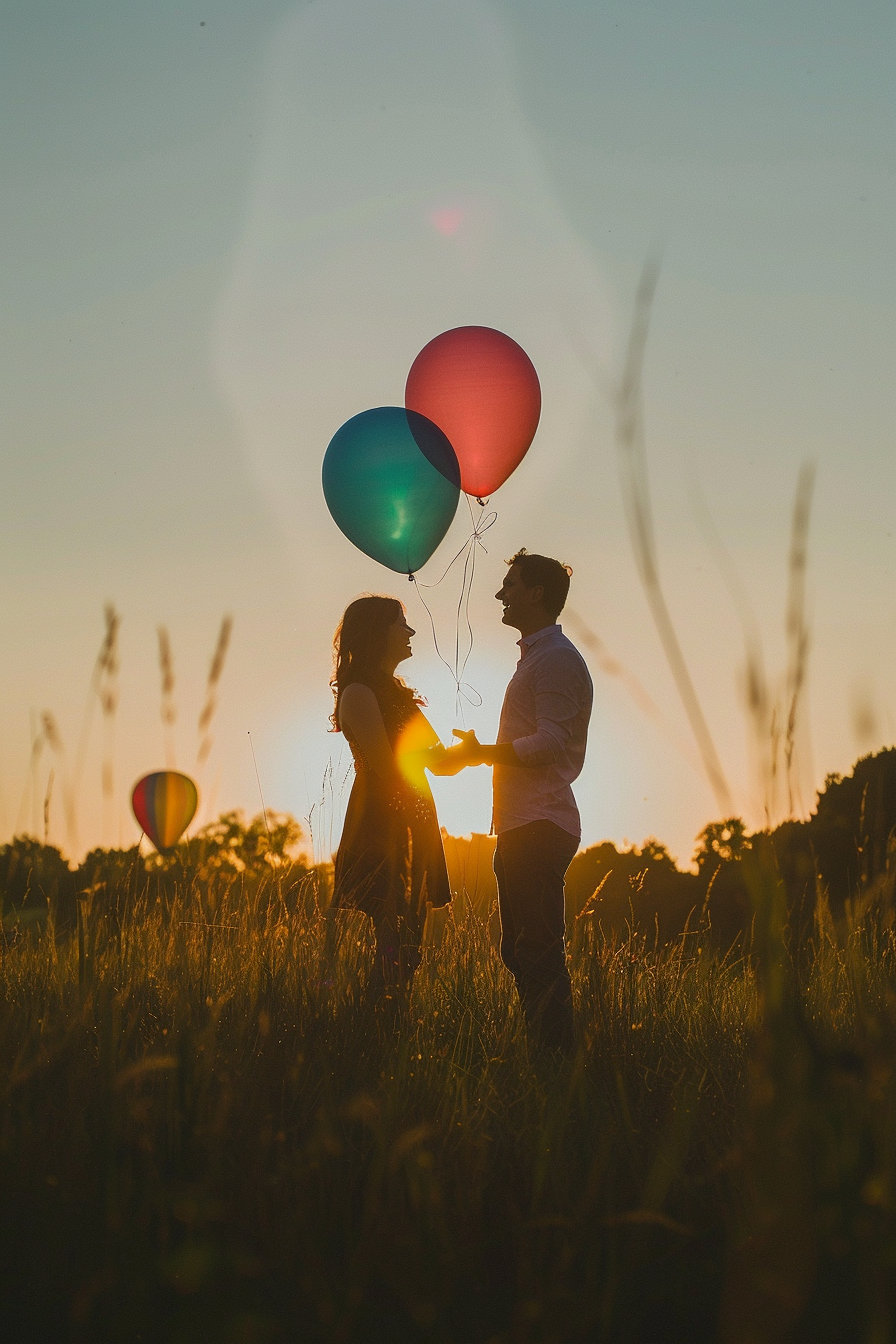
[447, 220]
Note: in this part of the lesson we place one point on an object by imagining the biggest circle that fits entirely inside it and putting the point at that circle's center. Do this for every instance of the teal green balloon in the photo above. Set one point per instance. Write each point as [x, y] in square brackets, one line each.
[392, 481]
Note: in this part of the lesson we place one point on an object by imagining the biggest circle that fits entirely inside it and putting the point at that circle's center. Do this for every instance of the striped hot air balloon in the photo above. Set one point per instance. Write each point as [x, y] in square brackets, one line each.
[165, 803]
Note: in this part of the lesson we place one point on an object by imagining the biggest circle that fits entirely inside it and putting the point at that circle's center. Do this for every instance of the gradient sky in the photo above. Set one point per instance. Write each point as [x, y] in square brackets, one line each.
[224, 233]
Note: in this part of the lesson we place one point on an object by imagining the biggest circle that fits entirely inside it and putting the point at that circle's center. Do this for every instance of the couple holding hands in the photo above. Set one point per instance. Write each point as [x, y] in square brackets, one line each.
[390, 862]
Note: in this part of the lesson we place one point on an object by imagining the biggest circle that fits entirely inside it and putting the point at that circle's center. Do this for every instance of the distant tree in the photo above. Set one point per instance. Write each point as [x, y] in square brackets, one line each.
[721, 842]
[270, 841]
[639, 888]
[110, 867]
[35, 879]
[852, 826]
[794, 850]
[230, 848]
[656, 853]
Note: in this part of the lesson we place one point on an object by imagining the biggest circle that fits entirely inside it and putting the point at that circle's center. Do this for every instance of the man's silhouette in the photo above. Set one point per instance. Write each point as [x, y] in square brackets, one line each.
[539, 752]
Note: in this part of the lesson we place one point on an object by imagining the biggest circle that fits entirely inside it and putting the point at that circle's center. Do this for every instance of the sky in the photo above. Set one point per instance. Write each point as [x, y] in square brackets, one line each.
[229, 227]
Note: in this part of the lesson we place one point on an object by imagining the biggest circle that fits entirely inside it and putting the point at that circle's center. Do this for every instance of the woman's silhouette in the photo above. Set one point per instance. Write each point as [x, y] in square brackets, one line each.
[390, 862]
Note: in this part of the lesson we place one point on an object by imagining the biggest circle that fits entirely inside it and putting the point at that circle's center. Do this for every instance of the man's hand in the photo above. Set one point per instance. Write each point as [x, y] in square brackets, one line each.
[469, 745]
[454, 759]
[474, 752]
[470, 751]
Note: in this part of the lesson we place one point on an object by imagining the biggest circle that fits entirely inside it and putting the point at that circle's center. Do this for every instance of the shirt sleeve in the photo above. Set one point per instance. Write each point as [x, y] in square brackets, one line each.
[560, 697]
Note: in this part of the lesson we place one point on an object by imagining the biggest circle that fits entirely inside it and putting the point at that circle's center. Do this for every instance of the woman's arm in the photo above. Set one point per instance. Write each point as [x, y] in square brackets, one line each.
[418, 748]
[446, 761]
[359, 712]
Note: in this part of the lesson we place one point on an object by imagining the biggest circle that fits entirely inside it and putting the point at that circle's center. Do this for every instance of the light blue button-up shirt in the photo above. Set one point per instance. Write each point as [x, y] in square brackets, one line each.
[545, 715]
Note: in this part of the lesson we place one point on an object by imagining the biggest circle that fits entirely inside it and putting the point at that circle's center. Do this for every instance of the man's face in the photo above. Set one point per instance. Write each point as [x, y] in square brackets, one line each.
[519, 602]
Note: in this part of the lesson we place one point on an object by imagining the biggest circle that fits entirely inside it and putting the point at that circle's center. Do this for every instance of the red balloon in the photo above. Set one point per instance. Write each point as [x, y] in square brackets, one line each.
[482, 391]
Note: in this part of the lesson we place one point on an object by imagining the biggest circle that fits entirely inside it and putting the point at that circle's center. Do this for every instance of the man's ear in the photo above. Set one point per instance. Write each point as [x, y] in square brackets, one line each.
[538, 594]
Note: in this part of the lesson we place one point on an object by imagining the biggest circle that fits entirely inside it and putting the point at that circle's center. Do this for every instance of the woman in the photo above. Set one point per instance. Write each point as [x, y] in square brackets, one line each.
[390, 862]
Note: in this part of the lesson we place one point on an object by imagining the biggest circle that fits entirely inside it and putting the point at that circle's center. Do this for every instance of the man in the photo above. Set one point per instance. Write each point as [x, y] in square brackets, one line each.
[539, 752]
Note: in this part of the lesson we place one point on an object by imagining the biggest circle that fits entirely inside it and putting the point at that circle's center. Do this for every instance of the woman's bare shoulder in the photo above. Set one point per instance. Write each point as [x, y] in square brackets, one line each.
[358, 694]
[358, 703]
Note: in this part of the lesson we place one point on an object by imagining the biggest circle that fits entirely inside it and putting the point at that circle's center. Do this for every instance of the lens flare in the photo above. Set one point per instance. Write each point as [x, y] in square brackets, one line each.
[411, 750]
[447, 220]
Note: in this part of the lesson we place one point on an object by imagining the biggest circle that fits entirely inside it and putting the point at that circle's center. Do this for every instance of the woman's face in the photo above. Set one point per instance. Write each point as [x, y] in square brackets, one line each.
[398, 642]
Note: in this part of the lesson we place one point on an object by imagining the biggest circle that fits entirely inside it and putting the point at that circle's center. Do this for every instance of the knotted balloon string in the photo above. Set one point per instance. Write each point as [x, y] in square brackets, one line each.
[480, 527]
[464, 691]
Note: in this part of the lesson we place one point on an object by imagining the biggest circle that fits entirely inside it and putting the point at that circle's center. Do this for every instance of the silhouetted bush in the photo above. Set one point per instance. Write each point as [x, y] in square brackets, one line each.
[641, 889]
[35, 879]
[845, 850]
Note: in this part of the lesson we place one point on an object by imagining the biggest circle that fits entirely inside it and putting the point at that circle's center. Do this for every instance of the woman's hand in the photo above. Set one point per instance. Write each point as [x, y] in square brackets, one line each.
[457, 758]
[473, 752]
[469, 746]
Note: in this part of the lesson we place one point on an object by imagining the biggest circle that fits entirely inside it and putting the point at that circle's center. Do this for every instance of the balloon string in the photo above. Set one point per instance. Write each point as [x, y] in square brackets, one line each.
[463, 602]
[469, 623]
[464, 691]
[464, 584]
[432, 624]
[479, 530]
[480, 527]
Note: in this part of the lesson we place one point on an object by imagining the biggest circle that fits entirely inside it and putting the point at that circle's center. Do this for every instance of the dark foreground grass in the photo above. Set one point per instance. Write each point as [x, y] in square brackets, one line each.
[205, 1138]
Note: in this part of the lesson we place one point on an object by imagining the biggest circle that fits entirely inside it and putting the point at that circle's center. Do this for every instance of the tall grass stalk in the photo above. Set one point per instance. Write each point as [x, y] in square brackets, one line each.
[630, 441]
[168, 705]
[210, 704]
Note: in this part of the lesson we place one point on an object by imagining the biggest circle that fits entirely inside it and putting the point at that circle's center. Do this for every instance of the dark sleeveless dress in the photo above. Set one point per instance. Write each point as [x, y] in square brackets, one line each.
[390, 862]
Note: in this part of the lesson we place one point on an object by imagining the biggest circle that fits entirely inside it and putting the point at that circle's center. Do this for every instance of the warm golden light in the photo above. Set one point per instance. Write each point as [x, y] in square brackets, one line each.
[411, 750]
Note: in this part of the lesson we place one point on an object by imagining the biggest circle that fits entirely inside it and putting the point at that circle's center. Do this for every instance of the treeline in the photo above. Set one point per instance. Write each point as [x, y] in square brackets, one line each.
[844, 852]
[843, 855]
[37, 883]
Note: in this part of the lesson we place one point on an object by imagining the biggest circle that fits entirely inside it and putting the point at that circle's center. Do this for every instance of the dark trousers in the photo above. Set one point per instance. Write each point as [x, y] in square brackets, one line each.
[530, 865]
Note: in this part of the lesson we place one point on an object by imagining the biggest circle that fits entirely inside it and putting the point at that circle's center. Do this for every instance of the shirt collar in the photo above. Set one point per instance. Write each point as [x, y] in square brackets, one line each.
[526, 643]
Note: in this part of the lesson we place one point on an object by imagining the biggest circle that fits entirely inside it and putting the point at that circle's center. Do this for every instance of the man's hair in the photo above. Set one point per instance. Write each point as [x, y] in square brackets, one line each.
[541, 571]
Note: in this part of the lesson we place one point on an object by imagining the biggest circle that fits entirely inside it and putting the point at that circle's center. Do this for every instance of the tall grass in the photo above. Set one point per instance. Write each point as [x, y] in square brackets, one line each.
[206, 1136]
[168, 705]
[631, 444]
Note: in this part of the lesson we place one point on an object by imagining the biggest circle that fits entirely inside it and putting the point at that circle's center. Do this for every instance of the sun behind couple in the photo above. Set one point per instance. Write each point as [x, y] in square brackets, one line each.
[390, 862]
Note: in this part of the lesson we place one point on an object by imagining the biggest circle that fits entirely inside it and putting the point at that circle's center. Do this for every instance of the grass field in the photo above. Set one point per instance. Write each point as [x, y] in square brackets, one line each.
[206, 1138]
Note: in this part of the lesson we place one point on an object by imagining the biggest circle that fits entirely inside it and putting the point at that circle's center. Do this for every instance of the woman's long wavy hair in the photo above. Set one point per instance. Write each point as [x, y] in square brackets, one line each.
[359, 647]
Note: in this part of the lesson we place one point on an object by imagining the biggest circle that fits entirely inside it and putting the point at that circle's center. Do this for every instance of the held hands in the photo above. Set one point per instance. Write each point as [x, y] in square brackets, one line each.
[451, 760]
[469, 751]
[473, 752]
[466, 752]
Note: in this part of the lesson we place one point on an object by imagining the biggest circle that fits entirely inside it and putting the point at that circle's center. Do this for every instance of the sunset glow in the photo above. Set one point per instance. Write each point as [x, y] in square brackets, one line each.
[208, 283]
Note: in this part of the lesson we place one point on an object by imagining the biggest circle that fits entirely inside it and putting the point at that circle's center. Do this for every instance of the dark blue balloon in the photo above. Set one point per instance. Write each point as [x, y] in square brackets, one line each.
[392, 481]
